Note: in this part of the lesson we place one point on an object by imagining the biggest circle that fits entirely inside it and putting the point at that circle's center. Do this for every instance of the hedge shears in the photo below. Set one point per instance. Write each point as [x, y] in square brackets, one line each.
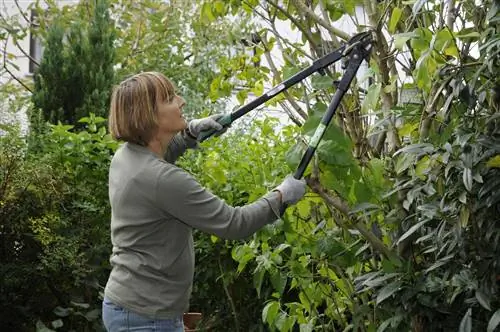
[352, 54]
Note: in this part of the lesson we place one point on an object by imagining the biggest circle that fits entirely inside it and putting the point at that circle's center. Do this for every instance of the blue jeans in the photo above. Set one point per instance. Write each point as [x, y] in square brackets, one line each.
[118, 319]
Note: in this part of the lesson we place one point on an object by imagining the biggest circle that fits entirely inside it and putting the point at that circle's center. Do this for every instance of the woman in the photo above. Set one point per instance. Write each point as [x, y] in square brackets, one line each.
[155, 205]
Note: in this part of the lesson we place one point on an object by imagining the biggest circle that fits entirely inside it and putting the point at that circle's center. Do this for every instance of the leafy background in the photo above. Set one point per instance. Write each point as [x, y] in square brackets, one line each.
[399, 229]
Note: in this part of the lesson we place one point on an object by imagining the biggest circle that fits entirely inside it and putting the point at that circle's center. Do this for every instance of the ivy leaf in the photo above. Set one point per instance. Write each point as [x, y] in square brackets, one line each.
[388, 291]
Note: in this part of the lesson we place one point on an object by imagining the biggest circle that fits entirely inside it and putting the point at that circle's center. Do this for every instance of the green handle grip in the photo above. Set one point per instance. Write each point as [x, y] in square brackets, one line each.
[224, 120]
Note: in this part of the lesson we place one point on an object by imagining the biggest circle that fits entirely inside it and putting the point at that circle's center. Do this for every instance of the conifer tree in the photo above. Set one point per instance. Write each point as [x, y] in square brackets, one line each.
[76, 71]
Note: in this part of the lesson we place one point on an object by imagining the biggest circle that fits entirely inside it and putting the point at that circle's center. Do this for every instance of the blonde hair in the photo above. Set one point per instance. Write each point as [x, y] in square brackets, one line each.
[134, 106]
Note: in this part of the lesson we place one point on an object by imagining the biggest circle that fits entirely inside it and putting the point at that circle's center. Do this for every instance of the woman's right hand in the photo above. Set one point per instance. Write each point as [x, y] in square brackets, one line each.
[291, 190]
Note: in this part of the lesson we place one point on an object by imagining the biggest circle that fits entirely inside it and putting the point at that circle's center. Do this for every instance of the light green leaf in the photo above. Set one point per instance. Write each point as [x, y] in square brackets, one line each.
[464, 216]
[422, 167]
[468, 35]
[241, 96]
[206, 13]
[371, 99]
[285, 322]
[270, 311]
[494, 161]
[258, 88]
[407, 129]
[494, 321]
[395, 16]
[219, 7]
[400, 39]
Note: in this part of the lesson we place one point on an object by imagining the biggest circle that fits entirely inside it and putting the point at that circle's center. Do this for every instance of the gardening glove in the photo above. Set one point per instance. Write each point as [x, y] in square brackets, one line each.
[291, 190]
[195, 127]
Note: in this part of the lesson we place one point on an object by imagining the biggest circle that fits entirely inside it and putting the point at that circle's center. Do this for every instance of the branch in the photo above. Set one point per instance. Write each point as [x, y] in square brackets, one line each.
[20, 48]
[289, 98]
[341, 206]
[309, 12]
[7, 69]
[335, 40]
[21, 12]
[295, 22]
[430, 109]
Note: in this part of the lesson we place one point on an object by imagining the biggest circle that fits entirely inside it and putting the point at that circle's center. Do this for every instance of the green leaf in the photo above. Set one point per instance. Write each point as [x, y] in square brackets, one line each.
[412, 230]
[422, 167]
[401, 39]
[241, 96]
[219, 7]
[494, 161]
[395, 16]
[388, 291]
[468, 34]
[466, 323]
[294, 155]
[417, 6]
[58, 323]
[393, 322]
[483, 300]
[445, 43]
[417, 149]
[270, 311]
[403, 162]
[285, 322]
[371, 99]
[279, 280]
[258, 278]
[258, 88]
[206, 13]
[321, 82]
[494, 321]
[407, 129]
[467, 179]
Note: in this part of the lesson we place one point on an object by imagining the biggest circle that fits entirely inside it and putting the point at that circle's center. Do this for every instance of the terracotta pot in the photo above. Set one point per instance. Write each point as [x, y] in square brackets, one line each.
[191, 319]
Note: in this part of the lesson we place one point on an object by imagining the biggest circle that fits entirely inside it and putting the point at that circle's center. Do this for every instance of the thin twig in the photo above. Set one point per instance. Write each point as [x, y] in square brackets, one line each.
[7, 69]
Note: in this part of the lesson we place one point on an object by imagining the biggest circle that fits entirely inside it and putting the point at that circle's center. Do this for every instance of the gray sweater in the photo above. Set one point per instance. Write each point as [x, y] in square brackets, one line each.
[154, 207]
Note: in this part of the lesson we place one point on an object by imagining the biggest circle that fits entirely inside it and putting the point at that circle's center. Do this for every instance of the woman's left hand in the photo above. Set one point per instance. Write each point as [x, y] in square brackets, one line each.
[195, 127]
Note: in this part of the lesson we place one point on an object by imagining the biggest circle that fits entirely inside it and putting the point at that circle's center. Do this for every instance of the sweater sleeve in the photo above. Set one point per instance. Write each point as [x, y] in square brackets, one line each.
[179, 144]
[180, 195]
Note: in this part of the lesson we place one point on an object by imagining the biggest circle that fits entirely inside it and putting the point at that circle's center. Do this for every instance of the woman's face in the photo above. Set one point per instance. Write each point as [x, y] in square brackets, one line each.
[170, 118]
